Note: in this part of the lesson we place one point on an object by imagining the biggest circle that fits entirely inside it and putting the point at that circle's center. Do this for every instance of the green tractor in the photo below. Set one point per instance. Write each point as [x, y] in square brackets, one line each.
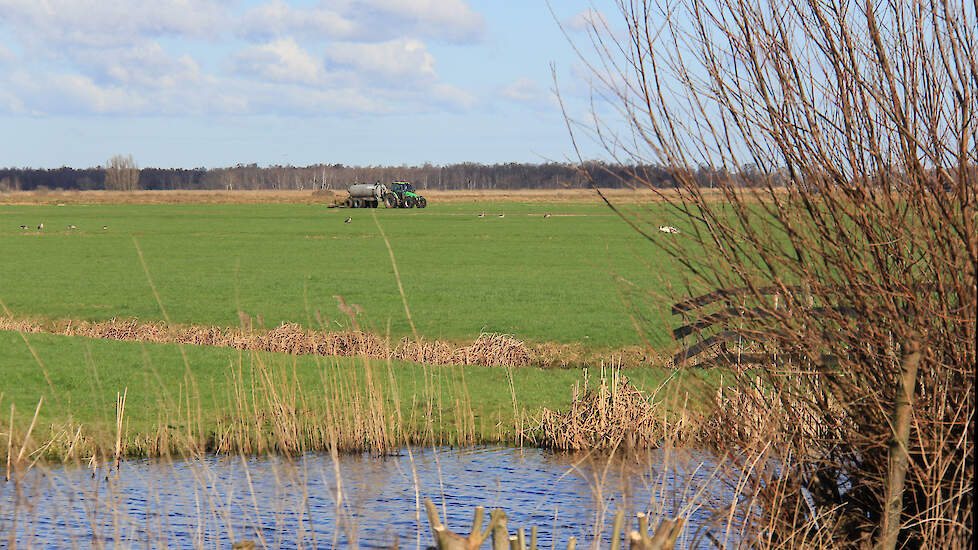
[407, 196]
[400, 194]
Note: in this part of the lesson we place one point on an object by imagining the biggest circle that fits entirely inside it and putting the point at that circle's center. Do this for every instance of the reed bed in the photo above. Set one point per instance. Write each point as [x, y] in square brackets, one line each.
[266, 408]
[612, 414]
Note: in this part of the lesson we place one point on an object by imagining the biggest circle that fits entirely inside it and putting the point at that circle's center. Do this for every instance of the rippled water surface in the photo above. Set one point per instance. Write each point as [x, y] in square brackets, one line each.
[365, 501]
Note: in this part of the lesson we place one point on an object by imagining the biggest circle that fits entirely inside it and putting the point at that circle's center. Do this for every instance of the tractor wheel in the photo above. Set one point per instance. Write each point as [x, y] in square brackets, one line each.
[390, 200]
[409, 202]
[422, 202]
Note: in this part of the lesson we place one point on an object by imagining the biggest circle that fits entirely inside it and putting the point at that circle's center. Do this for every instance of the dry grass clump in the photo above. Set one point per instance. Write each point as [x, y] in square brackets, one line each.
[490, 349]
[424, 351]
[115, 329]
[610, 415]
[292, 338]
[19, 325]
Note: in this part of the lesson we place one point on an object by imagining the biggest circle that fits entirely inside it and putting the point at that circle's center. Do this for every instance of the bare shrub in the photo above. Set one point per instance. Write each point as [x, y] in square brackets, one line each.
[841, 138]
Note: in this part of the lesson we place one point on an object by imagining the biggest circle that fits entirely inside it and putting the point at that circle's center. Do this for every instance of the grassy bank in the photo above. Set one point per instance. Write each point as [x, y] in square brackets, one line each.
[219, 399]
[539, 279]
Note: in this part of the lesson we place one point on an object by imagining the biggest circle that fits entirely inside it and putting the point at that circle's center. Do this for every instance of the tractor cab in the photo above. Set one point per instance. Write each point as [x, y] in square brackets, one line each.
[405, 196]
[403, 188]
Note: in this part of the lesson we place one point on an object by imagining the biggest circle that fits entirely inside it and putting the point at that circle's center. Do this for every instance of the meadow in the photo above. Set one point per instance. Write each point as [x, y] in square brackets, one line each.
[542, 280]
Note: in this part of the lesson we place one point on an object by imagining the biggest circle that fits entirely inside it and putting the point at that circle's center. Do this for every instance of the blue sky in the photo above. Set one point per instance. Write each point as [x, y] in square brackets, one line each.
[186, 83]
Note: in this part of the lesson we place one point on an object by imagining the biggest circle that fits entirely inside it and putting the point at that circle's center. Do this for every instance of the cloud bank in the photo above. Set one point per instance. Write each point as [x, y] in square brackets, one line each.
[173, 57]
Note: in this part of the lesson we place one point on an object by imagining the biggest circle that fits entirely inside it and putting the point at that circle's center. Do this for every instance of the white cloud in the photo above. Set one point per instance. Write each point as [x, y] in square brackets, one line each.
[10, 103]
[364, 21]
[109, 22]
[145, 64]
[449, 19]
[6, 56]
[278, 18]
[279, 61]
[525, 90]
[165, 57]
[585, 20]
[454, 96]
[72, 93]
[392, 62]
[305, 100]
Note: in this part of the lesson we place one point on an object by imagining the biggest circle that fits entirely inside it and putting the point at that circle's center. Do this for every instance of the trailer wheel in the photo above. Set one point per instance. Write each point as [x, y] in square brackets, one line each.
[390, 200]
[348, 203]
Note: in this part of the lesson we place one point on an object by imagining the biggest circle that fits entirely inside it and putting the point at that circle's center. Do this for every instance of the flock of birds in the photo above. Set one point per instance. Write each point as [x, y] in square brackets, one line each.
[663, 228]
[71, 227]
[349, 219]
[503, 215]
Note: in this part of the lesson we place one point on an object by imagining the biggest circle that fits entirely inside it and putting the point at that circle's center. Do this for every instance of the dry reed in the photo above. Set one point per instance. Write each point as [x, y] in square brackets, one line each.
[610, 415]
[490, 349]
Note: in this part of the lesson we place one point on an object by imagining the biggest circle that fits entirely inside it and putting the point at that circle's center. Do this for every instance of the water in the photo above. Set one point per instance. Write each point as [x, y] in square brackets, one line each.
[364, 501]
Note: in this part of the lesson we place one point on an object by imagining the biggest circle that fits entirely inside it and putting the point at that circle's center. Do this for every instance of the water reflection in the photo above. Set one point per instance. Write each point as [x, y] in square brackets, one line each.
[316, 502]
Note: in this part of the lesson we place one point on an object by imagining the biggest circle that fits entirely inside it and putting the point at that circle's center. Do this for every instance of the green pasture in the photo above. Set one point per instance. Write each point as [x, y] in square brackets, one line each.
[555, 279]
[80, 378]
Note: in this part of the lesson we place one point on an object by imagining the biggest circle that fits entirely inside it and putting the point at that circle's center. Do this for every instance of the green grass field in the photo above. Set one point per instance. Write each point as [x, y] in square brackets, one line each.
[542, 280]
[79, 380]
[538, 279]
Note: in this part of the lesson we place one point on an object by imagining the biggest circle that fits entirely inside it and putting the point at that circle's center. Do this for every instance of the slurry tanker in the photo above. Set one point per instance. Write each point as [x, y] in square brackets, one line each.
[400, 194]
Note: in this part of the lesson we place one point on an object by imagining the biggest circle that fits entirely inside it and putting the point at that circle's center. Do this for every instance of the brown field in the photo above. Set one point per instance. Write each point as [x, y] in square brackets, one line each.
[298, 197]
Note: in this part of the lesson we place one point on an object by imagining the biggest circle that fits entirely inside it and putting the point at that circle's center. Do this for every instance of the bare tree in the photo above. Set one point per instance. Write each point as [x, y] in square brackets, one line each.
[121, 174]
[852, 260]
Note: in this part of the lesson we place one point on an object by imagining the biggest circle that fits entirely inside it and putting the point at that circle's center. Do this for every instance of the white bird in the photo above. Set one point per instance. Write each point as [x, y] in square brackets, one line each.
[105, 228]
[41, 226]
[24, 227]
[348, 220]
[482, 215]
[502, 215]
[547, 215]
[70, 227]
[668, 229]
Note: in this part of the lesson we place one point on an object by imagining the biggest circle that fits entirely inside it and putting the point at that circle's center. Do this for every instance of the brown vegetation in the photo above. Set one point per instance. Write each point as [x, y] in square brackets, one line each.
[614, 414]
[490, 349]
[859, 117]
[184, 196]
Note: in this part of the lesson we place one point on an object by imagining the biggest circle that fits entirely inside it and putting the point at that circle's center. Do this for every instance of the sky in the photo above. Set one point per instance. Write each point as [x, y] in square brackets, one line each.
[189, 83]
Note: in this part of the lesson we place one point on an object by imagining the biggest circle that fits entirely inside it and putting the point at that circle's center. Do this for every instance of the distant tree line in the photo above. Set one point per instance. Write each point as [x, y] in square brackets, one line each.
[121, 173]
